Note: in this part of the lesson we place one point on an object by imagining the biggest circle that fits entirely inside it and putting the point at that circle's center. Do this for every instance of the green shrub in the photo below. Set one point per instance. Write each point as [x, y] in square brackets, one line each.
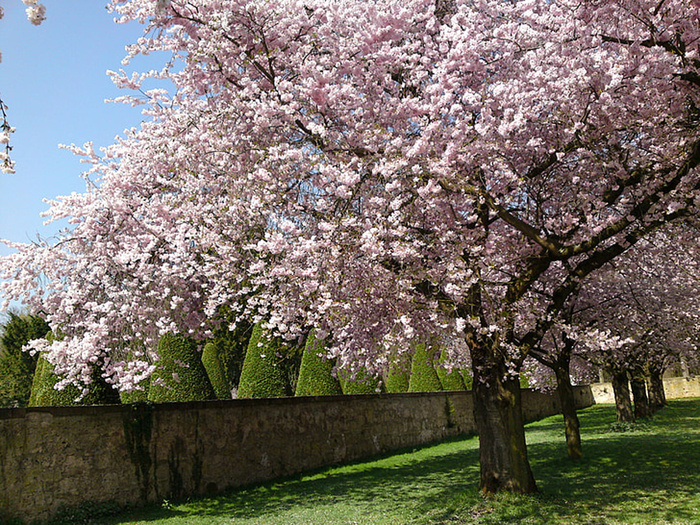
[263, 374]
[449, 380]
[398, 375]
[44, 393]
[316, 372]
[423, 378]
[213, 364]
[362, 383]
[179, 374]
[467, 378]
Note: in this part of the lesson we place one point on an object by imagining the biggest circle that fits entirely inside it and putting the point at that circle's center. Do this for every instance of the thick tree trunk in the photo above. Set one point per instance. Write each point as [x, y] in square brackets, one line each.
[657, 394]
[623, 402]
[639, 393]
[568, 409]
[499, 422]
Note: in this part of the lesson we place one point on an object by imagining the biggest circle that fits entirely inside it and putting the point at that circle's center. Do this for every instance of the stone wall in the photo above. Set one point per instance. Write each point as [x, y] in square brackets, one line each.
[52, 457]
[675, 387]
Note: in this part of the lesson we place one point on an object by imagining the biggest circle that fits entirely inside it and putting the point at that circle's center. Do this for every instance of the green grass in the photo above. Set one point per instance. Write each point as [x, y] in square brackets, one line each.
[649, 475]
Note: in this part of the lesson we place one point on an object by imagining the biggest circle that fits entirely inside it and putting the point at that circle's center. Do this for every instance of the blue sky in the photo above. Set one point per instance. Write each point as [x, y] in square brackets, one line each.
[52, 78]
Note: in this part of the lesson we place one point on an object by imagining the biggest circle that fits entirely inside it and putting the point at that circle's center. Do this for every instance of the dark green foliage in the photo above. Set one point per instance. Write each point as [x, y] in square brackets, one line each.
[263, 374]
[232, 344]
[44, 392]
[363, 383]
[17, 367]
[398, 375]
[213, 364]
[315, 372]
[449, 380]
[136, 396]
[468, 379]
[179, 375]
[424, 378]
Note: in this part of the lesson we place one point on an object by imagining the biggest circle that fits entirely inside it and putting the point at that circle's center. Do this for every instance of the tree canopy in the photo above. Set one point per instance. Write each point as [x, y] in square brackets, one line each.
[382, 171]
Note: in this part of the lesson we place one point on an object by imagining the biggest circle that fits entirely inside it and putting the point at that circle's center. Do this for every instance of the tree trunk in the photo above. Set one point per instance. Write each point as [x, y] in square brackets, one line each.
[568, 409]
[623, 402]
[657, 394]
[499, 422]
[639, 393]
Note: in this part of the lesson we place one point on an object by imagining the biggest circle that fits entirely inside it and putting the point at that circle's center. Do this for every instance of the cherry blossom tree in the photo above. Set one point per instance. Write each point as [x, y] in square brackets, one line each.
[649, 297]
[389, 173]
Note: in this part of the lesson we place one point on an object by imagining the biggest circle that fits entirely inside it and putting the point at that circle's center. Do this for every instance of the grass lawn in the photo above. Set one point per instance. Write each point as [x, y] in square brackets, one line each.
[648, 475]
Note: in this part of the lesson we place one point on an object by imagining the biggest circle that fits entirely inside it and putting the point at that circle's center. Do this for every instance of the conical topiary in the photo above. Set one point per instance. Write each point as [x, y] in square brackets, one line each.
[179, 373]
[316, 372]
[44, 393]
[451, 380]
[262, 375]
[362, 383]
[424, 378]
[468, 379]
[398, 374]
[211, 359]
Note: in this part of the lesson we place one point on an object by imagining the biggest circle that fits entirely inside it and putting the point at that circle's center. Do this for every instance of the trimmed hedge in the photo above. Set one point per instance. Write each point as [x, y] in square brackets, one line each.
[213, 364]
[398, 375]
[45, 394]
[449, 380]
[424, 378]
[179, 373]
[316, 372]
[363, 383]
[262, 374]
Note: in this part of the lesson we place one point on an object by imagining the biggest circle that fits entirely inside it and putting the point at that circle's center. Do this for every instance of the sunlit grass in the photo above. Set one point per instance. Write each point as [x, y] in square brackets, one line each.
[648, 476]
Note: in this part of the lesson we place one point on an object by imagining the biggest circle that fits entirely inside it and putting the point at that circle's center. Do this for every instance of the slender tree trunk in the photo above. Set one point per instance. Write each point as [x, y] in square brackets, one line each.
[499, 421]
[639, 393]
[623, 401]
[657, 394]
[568, 409]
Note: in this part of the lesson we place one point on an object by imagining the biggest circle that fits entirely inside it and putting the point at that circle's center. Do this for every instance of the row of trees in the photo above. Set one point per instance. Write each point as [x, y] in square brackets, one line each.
[388, 173]
[265, 367]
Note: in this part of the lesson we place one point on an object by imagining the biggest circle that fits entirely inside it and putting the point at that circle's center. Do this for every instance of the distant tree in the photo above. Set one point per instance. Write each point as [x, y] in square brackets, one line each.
[16, 366]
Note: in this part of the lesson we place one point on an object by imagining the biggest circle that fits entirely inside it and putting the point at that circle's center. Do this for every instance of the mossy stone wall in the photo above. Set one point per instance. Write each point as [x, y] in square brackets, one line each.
[134, 454]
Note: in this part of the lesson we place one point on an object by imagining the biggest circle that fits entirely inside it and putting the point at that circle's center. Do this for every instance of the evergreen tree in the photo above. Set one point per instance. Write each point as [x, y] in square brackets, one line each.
[424, 378]
[17, 367]
[451, 380]
[179, 374]
[213, 364]
[316, 373]
[262, 374]
[362, 383]
[398, 375]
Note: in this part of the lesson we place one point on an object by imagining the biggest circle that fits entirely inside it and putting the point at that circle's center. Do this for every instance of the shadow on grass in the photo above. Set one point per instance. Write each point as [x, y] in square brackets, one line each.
[635, 477]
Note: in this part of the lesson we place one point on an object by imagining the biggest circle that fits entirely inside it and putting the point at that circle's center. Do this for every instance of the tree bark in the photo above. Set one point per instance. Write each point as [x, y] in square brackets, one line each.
[657, 394]
[623, 402]
[499, 421]
[568, 410]
[639, 393]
